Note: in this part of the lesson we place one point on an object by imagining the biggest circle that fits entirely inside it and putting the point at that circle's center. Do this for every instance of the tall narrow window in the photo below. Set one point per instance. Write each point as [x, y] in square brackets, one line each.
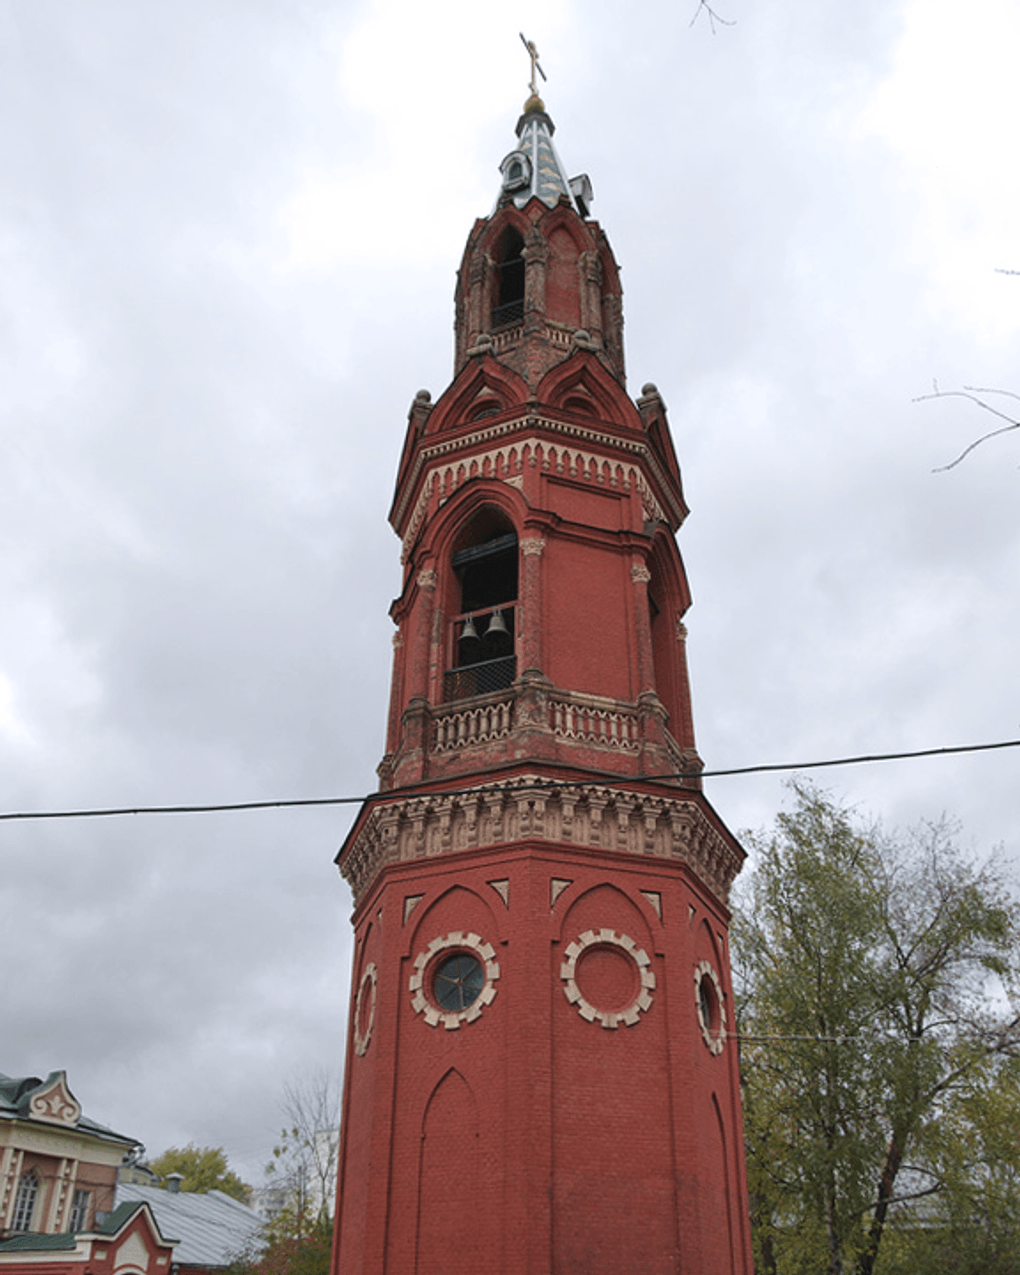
[24, 1205]
[509, 307]
[483, 637]
[79, 1211]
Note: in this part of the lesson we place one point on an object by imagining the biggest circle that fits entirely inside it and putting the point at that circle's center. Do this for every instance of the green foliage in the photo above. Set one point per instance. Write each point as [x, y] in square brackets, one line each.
[307, 1254]
[877, 1058]
[202, 1169]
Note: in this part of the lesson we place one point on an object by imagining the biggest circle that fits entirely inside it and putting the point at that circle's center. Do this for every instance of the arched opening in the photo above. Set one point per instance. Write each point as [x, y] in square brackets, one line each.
[485, 567]
[509, 307]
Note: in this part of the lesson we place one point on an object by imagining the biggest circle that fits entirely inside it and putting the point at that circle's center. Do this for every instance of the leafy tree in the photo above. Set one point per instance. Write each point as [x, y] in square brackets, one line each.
[879, 1045]
[202, 1169]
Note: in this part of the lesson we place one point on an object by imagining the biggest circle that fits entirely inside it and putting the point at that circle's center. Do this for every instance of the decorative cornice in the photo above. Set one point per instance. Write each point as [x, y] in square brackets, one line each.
[594, 816]
[459, 443]
[506, 462]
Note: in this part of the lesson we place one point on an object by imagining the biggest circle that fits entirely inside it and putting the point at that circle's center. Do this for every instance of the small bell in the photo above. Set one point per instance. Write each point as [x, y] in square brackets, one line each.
[498, 641]
[469, 644]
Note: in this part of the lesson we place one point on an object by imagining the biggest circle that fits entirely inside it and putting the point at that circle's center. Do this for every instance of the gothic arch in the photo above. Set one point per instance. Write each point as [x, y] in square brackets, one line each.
[483, 376]
[457, 907]
[604, 905]
[583, 372]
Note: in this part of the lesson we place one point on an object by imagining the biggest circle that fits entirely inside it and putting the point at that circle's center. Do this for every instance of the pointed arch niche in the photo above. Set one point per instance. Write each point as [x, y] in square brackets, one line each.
[482, 601]
[453, 1184]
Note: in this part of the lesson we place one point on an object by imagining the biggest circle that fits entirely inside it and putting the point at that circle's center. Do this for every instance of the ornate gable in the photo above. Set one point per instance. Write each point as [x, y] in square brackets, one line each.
[52, 1102]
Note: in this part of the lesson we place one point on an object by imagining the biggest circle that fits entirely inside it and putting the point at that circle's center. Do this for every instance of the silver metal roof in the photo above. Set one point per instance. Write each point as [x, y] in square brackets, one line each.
[212, 1228]
[539, 170]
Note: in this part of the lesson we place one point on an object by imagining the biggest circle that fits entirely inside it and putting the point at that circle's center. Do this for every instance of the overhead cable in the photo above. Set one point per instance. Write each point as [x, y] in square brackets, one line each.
[529, 782]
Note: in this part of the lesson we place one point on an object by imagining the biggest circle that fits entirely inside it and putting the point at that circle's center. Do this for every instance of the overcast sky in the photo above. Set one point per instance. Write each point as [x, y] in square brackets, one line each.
[229, 231]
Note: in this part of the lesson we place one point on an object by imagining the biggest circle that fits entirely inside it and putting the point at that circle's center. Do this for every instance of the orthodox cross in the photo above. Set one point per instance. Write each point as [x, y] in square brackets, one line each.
[533, 54]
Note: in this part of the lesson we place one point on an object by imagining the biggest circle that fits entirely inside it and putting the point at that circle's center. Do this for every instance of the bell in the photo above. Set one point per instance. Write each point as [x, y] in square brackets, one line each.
[498, 641]
[497, 624]
[469, 644]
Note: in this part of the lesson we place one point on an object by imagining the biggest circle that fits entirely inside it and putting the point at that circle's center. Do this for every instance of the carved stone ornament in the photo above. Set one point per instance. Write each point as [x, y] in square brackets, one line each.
[422, 1002]
[640, 574]
[714, 1033]
[626, 949]
[54, 1103]
[610, 818]
[427, 578]
[364, 1009]
[532, 546]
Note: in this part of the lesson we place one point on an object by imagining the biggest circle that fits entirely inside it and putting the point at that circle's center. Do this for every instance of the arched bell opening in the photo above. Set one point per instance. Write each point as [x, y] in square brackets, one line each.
[484, 564]
[509, 306]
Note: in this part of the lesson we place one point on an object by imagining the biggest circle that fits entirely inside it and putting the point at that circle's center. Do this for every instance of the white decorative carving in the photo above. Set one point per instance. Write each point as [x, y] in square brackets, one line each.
[640, 574]
[593, 720]
[714, 1035]
[608, 938]
[421, 1003]
[459, 728]
[654, 899]
[613, 819]
[369, 986]
[444, 466]
[556, 887]
[532, 547]
[427, 578]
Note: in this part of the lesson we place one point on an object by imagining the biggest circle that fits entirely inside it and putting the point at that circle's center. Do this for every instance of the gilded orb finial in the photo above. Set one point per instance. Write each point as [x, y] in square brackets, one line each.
[534, 102]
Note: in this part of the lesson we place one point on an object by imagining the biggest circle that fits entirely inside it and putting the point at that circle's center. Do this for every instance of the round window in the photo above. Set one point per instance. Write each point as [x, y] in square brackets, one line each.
[708, 997]
[364, 1009]
[457, 982]
[608, 977]
[454, 979]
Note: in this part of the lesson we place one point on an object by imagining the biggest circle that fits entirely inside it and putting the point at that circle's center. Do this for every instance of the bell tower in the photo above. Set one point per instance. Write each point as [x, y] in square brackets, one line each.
[538, 1074]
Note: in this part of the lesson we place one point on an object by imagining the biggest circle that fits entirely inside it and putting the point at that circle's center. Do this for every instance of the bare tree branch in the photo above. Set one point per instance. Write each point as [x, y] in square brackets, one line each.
[971, 393]
[713, 17]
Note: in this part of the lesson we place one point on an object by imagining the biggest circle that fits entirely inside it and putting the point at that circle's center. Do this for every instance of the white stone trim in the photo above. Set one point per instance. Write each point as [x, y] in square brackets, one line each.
[370, 978]
[423, 1005]
[607, 938]
[717, 1039]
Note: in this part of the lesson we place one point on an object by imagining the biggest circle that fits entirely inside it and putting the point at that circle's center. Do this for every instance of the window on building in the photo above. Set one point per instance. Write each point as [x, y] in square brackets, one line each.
[509, 307]
[24, 1205]
[484, 629]
[79, 1211]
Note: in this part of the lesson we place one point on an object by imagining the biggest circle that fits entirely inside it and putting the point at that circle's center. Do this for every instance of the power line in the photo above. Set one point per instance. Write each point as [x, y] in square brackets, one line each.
[761, 768]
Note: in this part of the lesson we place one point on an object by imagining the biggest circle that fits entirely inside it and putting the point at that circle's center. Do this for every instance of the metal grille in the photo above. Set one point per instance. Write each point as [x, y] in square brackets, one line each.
[479, 679]
[504, 315]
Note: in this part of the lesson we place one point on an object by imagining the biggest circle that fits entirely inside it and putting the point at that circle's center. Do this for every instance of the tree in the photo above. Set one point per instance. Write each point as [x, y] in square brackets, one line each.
[202, 1169]
[305, 1159]
[878, 1040]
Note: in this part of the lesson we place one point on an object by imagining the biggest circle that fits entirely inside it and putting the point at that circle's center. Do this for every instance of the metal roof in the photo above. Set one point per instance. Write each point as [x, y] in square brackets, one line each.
[541, 173]
[212, 1229]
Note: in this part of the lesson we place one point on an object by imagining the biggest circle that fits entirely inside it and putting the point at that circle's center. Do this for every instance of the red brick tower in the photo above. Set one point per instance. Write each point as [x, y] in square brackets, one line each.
[538, 1077]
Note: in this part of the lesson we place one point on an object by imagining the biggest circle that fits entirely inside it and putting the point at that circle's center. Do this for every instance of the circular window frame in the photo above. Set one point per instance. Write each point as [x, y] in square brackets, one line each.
[715, 1038]
[425, 963]
[608, 1018]
[362, 1039]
